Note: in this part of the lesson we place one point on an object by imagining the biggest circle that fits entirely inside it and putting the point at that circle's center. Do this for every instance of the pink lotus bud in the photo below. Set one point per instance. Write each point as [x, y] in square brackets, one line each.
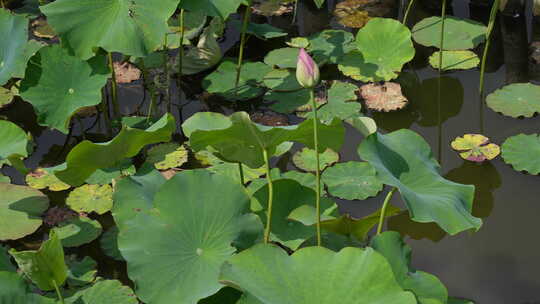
[307, 71]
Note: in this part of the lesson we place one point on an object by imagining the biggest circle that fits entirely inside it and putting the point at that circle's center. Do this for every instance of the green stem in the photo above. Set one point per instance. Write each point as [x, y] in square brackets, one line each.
[150, 87]
[295, 11]
[441, 46]
[181, 55]
[105, 110]
[167, 75]
[441, 51]
[114, 86]
[318, 170]
[241, 171]
[270, 197]
[383, 210]
[245, 23]
[2, 3]
[490, 27]
[411, 2]
[60, 297]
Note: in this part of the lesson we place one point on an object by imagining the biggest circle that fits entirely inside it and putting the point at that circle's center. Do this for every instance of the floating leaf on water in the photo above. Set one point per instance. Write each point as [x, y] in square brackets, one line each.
[282, 80]
[78, 231]
[459, 34]
[284, 58]
[475, 147]
[306, 267]
[42, 29]
[340, 103]
[13, 143]
[515, 100]
[104, 292]
[455, 60]
[44, 178]
[329, 46]
[523, 152]
[383, 97]
[126, 72]
[287, 102]
[262, 31]
[107, 175]
[91, 198]
[305, 159]
[109, 243]
[167, 156]
[15, 290]
[298, 42]
[352, 180]
[81, 273]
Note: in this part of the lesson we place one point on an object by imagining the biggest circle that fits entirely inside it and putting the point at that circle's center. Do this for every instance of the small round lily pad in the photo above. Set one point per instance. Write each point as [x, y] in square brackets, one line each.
[43, 178]
[475, 147]
[282, 80]
[352, 180]
[523, 152]
[284, 58]
[305, 159]
[515, 100]
[459, 34]
[91, 198]
[455, 60]
[167, 156]
[78, 231]
[109, 244]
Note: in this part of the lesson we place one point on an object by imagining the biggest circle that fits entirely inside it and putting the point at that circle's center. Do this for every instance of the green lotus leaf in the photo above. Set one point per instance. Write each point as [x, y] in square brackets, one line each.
[284, 58]
[305, 159]
[131, 27]
[359, 228]
[81, 273]
[13, 143]
[109, 244]
[244, 141]
[206, 54]
[218, 8]
[305, 179]
[314, 275]
[383, 46]
[106, 176]
[341, 103]
[5, 261]
[523, 152]
[300, 42]
[222, 81]
[452, 300]
[104, 292]
[78, 231]
[44, 178]
[427, 288]
[307, 214]
[14, 290]
[475, 147]
[455, 60]
[194, 22]
[57, 85]
[6, 96]
[330, 45]
[167, 156]
[282, 80]
[20, 209]
[403, 159]
[227, 295]
[262, 31]
[365, 125]
[192, 236]
[91, 198]
[352, 180]
[287, 102]
[228, 169]
[515, 100]
[5, 179]
[87, 157]
[45, 267]
[459, 34]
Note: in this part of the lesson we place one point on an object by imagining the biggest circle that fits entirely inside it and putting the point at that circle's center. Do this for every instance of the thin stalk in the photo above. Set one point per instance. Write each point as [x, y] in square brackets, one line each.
[241, 172]
[407, 11]
[270, 198]
[60, 297]
[2, 3]
[181, 56]
[150, 87]
[441, 51]
[167, 75]
[245, 22]
[318, 170]
[114, 86]
[383, 210]
[295, 11]
[491, 25]
[105, 110]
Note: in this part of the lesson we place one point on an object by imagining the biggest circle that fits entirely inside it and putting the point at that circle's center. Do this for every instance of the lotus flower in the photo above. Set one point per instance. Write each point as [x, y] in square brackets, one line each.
[307, 71]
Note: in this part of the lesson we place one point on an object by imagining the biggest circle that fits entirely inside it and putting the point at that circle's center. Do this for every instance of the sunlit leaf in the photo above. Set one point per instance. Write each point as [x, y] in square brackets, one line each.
[352, 180]
[91, 198]
[459, 34]
[523, 152]
[14, 290]
[104, 292]
[515, 100]
[305, 159]
[455, 60]
[475, 147]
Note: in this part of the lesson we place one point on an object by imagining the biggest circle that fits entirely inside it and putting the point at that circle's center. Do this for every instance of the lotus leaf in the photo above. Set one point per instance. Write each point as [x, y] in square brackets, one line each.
[14, 290]
[330, 45]
[87, 157]
[307, 214]
[515, 100]
[383, 47]
[475, 147]
[241, 140]
[417, 231]
[282, 80]
[78, 231]
[218, 8]
[341, 103]
[523, 152]
[194, 22]
[403, 159]
[5, 179]
[57, 85]
[5, 261]
[305, 159]
[192, 236]
[20, 209]
[284, 58]
[45, 267]
[222, 81]
[205, 55]
[365, 125]
[427, 288]
[287, 102]
[459, 34]
[107, 175]
[81, 273]
[44, 178]
[261, 31]
[383, 97]
[299, 42]
[13, 143]
[6, 96]
[167, 156]
[104, 292]
[352, 180]
[452, 300]
[228, 169]
[305, 179]
[131, 27]
[455, 60]
[91, 198]
[109, 244]
[272, 276]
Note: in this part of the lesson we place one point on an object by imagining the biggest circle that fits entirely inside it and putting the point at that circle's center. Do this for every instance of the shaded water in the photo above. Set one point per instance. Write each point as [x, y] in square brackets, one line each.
[498, 264]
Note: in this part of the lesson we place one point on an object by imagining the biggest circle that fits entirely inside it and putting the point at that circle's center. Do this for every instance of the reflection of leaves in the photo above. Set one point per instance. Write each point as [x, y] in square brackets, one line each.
[404, 225]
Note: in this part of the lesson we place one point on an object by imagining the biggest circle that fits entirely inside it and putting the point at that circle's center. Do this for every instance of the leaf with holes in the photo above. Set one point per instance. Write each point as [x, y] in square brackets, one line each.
[523, 152]
[515, 100]
[475, 147]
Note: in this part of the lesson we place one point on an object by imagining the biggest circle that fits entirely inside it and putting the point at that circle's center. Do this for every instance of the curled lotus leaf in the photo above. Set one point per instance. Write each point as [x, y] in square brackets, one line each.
[523, 152]
[383, 97]
[91, 198]
[167, 156]
[305, 159]
[475, 147]
[44, 178]
[459, 34]
[515, 100]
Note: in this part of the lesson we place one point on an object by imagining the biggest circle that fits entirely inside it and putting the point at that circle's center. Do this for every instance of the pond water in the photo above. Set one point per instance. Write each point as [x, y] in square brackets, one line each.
[499, 263]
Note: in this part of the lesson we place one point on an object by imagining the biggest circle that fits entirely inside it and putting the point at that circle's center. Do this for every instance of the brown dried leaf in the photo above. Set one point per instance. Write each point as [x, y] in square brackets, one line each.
[383, 97]
[126, 72]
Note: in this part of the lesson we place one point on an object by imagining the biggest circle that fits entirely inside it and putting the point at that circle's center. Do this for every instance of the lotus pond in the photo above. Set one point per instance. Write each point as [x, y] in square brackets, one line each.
[264, 151]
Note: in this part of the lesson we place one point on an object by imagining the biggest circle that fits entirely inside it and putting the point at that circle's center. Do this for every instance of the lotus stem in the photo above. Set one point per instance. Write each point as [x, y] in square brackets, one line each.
[151, 88]
[491, 25]
[270, 198]
[105, 110]
[441, 46]
[58, 293]
[181, 55]
[441, 51]
[167, 75]
[318, 170]
[295, 11]
[383, 210]
[243, 35]
[2, 4]
[241, 172]
[114, 86]
[407, 11]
